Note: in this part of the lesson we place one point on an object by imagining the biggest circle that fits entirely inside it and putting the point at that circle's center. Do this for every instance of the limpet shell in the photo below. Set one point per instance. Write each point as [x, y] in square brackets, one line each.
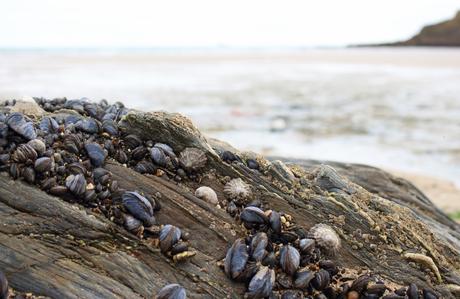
[23, 153]
[207, 194]
[192, 159]
[237, 190]
[326, 238]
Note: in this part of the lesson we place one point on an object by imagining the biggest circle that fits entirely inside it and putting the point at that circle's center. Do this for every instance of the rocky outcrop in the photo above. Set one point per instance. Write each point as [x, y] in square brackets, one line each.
[57, 249]
[444, 34]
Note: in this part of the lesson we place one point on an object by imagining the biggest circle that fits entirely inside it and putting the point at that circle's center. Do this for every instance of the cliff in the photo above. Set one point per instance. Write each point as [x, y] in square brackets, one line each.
[444, 34]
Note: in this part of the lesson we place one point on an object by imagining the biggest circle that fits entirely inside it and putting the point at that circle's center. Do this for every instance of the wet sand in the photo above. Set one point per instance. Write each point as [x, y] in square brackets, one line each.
[442, 192]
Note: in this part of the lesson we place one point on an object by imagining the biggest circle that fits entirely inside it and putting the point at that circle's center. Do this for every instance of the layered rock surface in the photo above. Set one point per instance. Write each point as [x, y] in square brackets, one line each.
[61, 250]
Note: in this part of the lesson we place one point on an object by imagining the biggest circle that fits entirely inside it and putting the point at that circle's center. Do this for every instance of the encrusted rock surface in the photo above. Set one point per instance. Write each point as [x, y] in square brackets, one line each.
[57, 249]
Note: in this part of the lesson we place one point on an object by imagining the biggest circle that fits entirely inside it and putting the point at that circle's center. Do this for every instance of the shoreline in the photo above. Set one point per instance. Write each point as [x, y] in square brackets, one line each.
[443, 193]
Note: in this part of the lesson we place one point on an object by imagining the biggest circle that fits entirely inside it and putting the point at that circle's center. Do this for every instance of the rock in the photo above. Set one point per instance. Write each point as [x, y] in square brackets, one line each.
[60, 250]
[281, 171]
[446, 34]
[52, 248]
[327, 178]
[170, 128]
[26, 106]
[443, 34]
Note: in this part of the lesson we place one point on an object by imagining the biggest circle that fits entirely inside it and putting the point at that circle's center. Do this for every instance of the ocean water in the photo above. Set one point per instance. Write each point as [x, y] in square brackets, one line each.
[397, 108]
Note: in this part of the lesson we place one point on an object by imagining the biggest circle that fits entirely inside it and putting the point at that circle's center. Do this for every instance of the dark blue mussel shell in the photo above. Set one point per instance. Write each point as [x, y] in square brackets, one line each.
[88, 125]
[169, 236]
[236, 259]
[49, 125]
[261, 284]
[172, 291]
[18, 123]
[289, 259]
[139, 206]
[95, 153]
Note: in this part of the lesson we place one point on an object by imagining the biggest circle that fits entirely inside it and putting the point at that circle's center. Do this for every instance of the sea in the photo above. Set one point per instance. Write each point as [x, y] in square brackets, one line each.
[396, 108]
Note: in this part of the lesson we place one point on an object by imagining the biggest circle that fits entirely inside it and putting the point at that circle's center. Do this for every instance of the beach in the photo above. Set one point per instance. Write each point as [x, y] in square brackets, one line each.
[395, 108]
[445, 194]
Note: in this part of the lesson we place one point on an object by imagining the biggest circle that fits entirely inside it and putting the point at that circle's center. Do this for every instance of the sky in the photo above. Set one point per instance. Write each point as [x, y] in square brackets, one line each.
[211, 23]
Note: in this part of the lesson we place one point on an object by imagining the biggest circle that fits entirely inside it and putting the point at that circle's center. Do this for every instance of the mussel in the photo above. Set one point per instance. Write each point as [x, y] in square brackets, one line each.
[110, 126]
[139, 153]
[88, 125]
[23, 153]
[48, 125]
[28, 173]
[172, 291]
[258, 245]
[158, 156]
[321, 280]
[289, 259]
[302, 278]
[139, 206]
[17, 122]
[95, 153]
[169, 236]
[3, 286]
[253, 216]
[236, 258]
[43, 164]
[261, 284]
[76, 184]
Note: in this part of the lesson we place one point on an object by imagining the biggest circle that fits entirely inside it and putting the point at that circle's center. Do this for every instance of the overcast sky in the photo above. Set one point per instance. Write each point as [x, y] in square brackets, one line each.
[204, 23]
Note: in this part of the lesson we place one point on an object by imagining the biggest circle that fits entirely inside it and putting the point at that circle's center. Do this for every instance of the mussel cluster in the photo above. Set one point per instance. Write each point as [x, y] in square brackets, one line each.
[65, 153]
[279, 256]
[278, 259]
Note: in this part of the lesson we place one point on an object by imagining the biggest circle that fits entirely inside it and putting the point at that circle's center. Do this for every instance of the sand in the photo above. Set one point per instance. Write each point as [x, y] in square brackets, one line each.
[443, 193]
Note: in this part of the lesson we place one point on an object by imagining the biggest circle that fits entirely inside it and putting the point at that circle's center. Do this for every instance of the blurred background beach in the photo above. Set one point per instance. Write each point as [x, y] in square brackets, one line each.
[394, 108]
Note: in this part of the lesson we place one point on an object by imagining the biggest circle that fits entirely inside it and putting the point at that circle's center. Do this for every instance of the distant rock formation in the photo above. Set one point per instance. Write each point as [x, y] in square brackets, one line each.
[444, 34]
